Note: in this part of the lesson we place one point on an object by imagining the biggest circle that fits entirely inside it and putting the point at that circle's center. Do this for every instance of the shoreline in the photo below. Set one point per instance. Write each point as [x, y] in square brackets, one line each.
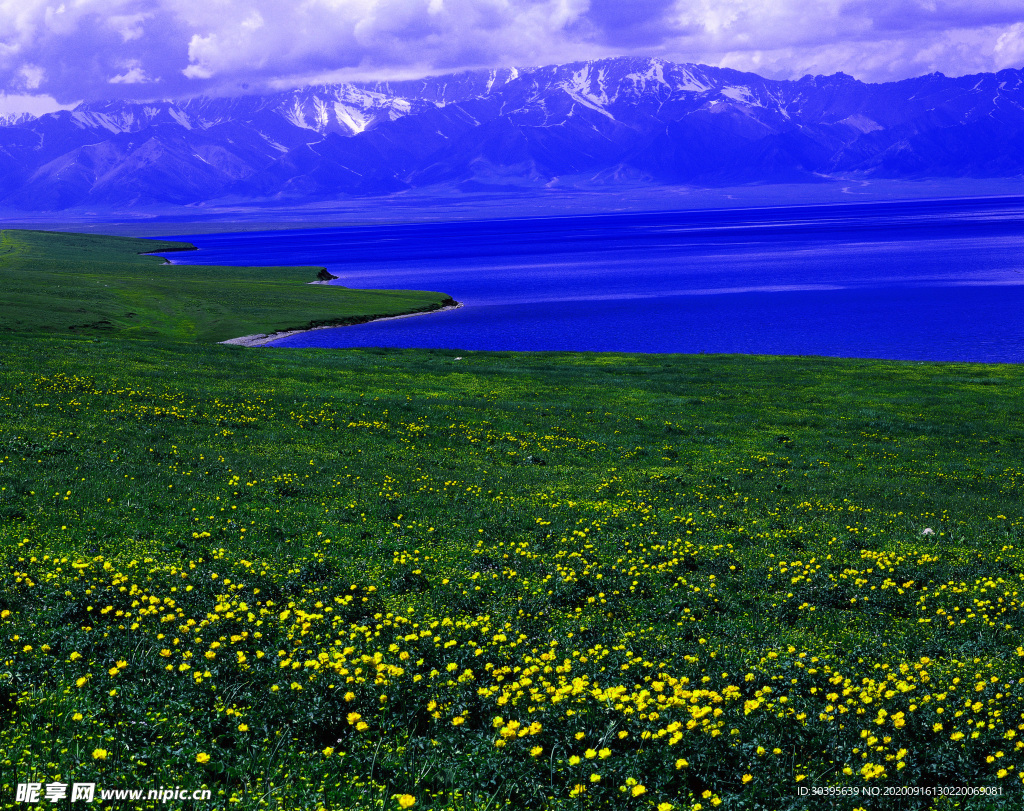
[263, 339]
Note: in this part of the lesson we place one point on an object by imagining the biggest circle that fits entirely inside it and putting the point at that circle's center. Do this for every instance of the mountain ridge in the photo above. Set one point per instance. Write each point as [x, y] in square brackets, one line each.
[597, 123]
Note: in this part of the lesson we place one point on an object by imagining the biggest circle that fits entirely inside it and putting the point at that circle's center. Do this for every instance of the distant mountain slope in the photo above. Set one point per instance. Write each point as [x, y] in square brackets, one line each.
[603, 122]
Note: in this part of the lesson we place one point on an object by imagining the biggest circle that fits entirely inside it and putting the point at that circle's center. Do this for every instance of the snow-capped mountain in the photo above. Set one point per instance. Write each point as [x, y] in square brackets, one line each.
[602, 122]
[10, 119]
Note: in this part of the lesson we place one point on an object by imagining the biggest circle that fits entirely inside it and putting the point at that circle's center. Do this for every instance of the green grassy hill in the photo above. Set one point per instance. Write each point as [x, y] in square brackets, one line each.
[86, 284]
[305, 579]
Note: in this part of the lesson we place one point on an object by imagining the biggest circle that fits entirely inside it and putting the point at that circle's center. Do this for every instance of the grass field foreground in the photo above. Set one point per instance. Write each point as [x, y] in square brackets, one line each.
[388, 579]
[101, 285]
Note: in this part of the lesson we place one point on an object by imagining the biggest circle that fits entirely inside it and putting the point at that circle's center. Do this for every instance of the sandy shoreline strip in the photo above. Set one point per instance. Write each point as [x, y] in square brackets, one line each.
[262, 339]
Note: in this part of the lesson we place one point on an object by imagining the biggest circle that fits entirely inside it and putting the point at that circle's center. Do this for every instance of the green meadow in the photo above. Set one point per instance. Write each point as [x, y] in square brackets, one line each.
[86, 284]
[383, 579]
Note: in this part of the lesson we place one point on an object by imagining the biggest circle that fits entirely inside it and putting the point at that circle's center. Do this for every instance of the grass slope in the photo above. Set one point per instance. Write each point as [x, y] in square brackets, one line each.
[91, 284]
[383, 579]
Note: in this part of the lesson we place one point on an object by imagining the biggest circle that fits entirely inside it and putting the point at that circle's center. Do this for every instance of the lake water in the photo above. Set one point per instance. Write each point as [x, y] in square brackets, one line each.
[935, 280]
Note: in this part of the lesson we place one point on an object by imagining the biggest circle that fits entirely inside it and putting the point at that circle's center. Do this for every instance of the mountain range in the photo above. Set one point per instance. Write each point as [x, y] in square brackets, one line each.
[602, 123]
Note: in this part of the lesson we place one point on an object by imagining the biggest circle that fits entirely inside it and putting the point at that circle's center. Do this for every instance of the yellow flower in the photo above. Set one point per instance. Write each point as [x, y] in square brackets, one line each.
[665, 806]
[243, 727]
[458, 719]
[352, 717]
[362, 725]
[590, 754]
[574, 760]
[99, 754]
[681, 763]
[604, 753]
[747, 778]
[406, 801]
[595, 778]
[77, 716]
[328, 751]
[638, 790]
[202, 757]
[536, 751]
[577, 790]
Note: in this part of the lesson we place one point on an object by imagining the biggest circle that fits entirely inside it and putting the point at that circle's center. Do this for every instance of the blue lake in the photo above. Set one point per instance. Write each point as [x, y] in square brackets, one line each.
[933, 280]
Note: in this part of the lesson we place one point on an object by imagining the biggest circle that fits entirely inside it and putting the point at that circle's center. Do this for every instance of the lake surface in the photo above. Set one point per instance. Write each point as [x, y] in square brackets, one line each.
[935, 280]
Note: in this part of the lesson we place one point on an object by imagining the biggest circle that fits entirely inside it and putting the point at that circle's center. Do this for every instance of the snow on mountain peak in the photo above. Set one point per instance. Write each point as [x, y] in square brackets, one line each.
[690, 82]
[97, 120]
[295, 115]
[741, 94]
[675, 123]
[345, 108]
[351, 117]
[14, 119]
[861, 123]
[180, 117]
[580, 88]
[322, 115]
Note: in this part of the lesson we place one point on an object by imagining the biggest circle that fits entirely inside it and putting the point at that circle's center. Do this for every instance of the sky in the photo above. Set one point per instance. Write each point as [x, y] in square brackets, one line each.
[55, 54]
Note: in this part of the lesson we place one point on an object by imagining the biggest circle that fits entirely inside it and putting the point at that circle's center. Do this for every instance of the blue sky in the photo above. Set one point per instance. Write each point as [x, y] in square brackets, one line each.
[57, 53]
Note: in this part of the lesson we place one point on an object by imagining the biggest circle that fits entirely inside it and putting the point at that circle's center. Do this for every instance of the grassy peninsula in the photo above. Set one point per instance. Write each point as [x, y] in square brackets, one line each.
[383, 579]
[93, 285]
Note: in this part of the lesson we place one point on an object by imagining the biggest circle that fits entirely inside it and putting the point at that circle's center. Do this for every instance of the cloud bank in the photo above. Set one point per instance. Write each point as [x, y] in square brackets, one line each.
[94, 49]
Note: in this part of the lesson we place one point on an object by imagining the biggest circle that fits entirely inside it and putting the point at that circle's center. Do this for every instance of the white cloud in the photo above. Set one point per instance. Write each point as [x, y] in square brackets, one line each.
[26, 25]
[133, 74]
[31, 76]
[129, 26]
[325, 34]
[15, 103]
[198, 48]
[787, 37]
[95, 47]
[954, 52]
[1009, 50]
